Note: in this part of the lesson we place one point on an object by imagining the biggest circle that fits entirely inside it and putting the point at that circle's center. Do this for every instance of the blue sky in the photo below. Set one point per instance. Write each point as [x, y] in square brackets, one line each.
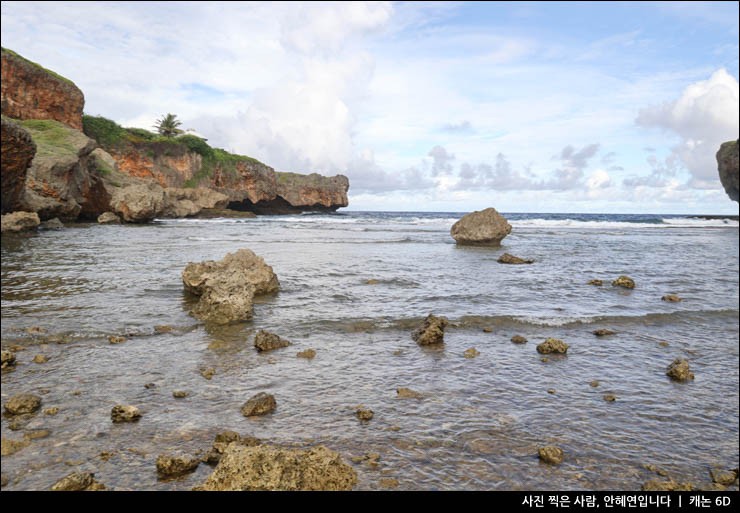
[448, 106]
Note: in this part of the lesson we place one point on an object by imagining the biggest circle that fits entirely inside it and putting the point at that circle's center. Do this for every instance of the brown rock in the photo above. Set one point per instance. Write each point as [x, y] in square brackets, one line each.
[471, 353]
[223, 440]
[173, 465]
[180, 394]
[22, 403]
[487, 330]
[312, 192]
[407, 393]
[40, 358]
[481, 228]
[9, 446]
[180, 202]
[115, 339]
[266, 341]
[594, 383]
[508, 258]
[610, 398]
[388, 482]
[18, 150]
[603, 332]
[139, 202]
[659, 485]
[432, 331]
[679, 370]
[551, 391]
[51, 411]
[671, 298]
[109, 218]
[518, 339]
[372, 281]
[625, 282]
[260, 404]
[597, 283]
[306, 353]
[551, 454]
[552, 345]
[727, 165]
[125, 413]
[723, 477]
[78, 482]
[364, 414]
[7, 358]
[276, 469]
[19, 222]
[207, 372]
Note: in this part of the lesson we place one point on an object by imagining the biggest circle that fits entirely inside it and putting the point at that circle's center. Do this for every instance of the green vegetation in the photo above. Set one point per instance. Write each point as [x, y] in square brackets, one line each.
[38, 66]
[52, 138]
[107, 132]
[168, 125]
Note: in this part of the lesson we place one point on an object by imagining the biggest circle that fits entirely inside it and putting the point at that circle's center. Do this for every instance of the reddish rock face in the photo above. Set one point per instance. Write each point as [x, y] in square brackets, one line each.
[29, 91]
[18, 150]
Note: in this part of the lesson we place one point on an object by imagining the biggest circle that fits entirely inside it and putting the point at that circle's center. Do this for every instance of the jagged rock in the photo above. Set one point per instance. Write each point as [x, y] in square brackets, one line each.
[309, 354]
[7, 358]
[507, 258]
[471, 353]
[109, 218]
[18, 150]
[19, 222]
[222, 442]
[364, 414]
[518, 339]
[679, 370]
[181, 202]
[313, 191]
[432, 331]
[597, 283]
[625, 282]
[78, 482]
[552, 345]
[138, 203]
[52, 224]
[173, 465]
[671, 298]
[727, 165]
[407, 393]
[551, 454]
[125, 413]
[266, 341]
[22, 403]
[603, 332]
[260, 404]
[481, 228]
[227, 287]
[276, 469]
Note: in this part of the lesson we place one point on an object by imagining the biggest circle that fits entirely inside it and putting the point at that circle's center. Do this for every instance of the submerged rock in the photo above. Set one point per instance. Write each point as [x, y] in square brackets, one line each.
[125, 413]
[51, 411]
[671, 298]
[518, 339]
[40, 358]
[77, 482]
[597, 283]
[260, 404]
[9, 446]
[594, 383]
[19, 222]
[551, 454]
[407, 393]
[207, 372]
[7, 358]
[364, 414]
[625, 282]
[180, 394]
[52, 224]
[266, 341]
[723, 477]
[669, 485]
[388, 482]
[173, 465]
[552, 345]
[481, 228]
[275, 469]
[432, 331]
[610, 398]
[22, 403]
[603, 332]
[116, 339]
[508, 258]
[471, 353]
[679, 370]
[109, 218]
[309, 354]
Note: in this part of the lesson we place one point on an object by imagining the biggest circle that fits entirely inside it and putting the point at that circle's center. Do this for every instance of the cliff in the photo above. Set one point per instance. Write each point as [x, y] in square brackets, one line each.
[727, 165]
[29, 91]
[18, 150]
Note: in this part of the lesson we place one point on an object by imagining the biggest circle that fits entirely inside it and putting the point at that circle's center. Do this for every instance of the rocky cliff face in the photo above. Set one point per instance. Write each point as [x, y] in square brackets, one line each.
[18, 150]
[29, 91]
[727, 164]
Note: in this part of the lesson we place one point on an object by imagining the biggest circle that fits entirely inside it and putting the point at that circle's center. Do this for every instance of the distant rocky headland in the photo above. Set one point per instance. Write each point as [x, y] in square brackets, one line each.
[61, 163]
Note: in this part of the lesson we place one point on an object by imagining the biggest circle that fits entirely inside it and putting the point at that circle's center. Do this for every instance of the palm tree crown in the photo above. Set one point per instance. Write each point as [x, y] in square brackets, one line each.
[167, 126]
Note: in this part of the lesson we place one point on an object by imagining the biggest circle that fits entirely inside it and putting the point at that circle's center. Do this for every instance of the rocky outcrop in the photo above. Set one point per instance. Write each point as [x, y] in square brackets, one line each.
[179, 202]
[227, 287]
[124, 413]
[260, 404]
[481, 228]
[19, 222]
[78, 482]
[727, 165]
[109, 218]
[22, 403]
[508, 258]
[679, 370]
[18, 150]
[275, 469]
[552, 345]
[8, 358]
[313, 192]
[31, 92]
[138, 203]
[266, 341]
[625, 282]
[671, 298]
[518, 339]
[432, 331]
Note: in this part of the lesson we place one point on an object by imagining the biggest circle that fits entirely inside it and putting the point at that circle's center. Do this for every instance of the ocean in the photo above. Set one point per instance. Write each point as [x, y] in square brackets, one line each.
[354, 286]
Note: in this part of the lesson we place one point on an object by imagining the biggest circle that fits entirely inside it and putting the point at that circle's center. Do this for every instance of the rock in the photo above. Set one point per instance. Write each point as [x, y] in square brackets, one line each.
[276, 469]
[723, 477]
[227, 287]
[173, 465]
[364, 414]
[487, 330]
[163, 328]
[594, 383]
[481, 228]
[507, 258]
[306, 353]
[40, 358]
[9, 446]
[51, 411]
[125, 413]
[266, 341]
[109, 218]
[407, 393]
[7, 358]
[19, 222]
[149, 386]
[116, 339]
[52, 224]
[432, 331]
[603, 332]
[597, 283]
[22, 403]
[207, 372]
[180, 394]
[181, 202]
[78, 482]
[388, 482]
[138, 203]
[671, 298]
[551, 454]
[610, 398]
[471, 353]
[36, 434]
[260, 404]
[518, 339]
[659, 485]
[372, 281]
[551, 391]
[311, 192]
[223, 440]
[552, 345]
[625, 282]
[30, 91]
[727, 165]
[4, 480]
[679, 370]
[18, 150]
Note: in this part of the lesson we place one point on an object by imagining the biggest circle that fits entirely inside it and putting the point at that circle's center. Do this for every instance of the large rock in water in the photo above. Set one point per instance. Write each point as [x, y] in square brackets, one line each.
[432, 331]
[227, 287]
[275, 469]
[18, 150]
[481, 228]
[20, 222]
[138, 203]
[727, 165]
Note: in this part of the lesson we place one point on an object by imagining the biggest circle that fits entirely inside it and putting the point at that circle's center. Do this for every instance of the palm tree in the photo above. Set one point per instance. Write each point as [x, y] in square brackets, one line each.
[167, 126]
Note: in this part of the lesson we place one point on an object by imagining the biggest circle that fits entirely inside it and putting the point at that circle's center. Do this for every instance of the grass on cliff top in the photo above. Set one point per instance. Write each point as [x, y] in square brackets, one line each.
[52, 138]
[37, 66]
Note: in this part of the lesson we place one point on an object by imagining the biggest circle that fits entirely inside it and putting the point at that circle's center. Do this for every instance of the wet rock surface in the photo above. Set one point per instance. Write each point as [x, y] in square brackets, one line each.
[7, 358]
[603, 332]
[266, 341]
[665, 485]
[508, 258]
[22, 403]
[77, 482]
[723, 477]
[518, 339]
[432, 331]
[552, 345]
[596, 283]
[260, 404]
[679, 370]
[551, 454]
[125, 413]
[109, 218]
[624, 282]
[309, 354]
[174, 465]
[481, 228]
[364, 414]
[671, 298]
[407, 393]
[19, 222]
[10, 446]
[471, 353]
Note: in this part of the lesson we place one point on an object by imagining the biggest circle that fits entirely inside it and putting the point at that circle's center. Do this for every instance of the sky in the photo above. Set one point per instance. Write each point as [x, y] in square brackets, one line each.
[443, 106]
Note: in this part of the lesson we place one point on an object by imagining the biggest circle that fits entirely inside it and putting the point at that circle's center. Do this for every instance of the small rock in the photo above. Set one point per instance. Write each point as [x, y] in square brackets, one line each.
[471, 353]
[595, 383]
[485, 330]
[108, 218]
[551, 454]
[610, 398]
[7, 358]
[597, 283]
[397, 352]
[432, 331]
[307, 353]
[207, 372]
[173, 465]
[679, 370]
[266, 341]
[407, 393]
[180, 394]
[552, 345]
[671, 298]
[149, 386]
[9, 446]
[388, 482]
[663, 343]
[36, 434]
[551, 391]
[77, 482]
[260, 404]
[106, 455]
[723, 477]
[51, 411]
[115, 339]
[518, 339]
[659, 485]
[507, 258]
[364, 414]
[603, 332]
[163, 328]
[544, 359]
[22, 403]
[40, 358]
[372, 281]
[125, 413]
[624, 281]
[52, 224]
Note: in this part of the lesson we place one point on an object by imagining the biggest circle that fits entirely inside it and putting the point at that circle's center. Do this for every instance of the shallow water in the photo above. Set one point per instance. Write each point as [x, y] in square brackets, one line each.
[480, 421]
